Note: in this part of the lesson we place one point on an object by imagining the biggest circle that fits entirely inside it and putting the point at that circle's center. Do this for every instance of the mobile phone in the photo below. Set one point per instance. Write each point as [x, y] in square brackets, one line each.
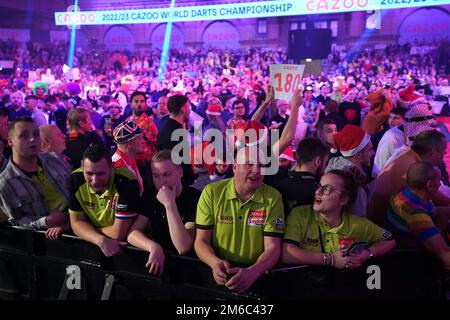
[356, 248]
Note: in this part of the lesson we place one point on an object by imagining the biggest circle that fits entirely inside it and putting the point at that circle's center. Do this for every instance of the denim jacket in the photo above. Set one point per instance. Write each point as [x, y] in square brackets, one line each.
[20, 199]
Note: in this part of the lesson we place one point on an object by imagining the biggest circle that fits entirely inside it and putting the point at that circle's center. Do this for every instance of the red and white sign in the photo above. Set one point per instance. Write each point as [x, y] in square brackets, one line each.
[221, 35]
[159, 34]
[285, 78]
[256, 217]
[119, 38]
[16, 34]
[418, 26]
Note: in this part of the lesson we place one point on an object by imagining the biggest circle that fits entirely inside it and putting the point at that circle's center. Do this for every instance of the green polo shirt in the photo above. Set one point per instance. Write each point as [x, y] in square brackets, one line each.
[52, 197]
[119, 200]
[304, 227]
[239, 227]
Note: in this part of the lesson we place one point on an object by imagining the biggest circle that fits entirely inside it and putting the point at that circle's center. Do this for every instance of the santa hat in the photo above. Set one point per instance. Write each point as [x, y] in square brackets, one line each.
[409, 98]
[347, 90]
[214, 110]
[251, 129]
[419, 118]
[203, 161]
[287, 154]
[255, 86]
[350, 140]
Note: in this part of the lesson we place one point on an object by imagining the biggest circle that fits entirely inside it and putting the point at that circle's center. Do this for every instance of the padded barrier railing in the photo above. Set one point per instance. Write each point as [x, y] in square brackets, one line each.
[32, 267]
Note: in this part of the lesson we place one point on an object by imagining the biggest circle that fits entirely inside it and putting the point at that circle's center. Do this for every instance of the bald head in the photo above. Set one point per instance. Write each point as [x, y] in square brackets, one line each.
[421, 173]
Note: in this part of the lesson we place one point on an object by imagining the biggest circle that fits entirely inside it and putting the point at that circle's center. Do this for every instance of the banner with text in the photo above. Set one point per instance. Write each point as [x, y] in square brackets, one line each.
[242, 10]
[285, 78]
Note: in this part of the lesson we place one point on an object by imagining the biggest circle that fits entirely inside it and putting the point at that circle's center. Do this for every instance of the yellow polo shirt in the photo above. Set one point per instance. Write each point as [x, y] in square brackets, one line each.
[239, 227]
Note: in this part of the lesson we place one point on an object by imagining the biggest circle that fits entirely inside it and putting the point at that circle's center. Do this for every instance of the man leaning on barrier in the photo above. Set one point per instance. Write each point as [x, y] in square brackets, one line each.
[411, 215]
[104, 201]
[33, 186]
[240, 221]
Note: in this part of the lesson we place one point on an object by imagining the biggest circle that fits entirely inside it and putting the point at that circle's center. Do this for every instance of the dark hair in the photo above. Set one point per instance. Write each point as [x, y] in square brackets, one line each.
[50, 99]
[30, 97]
[419, 174]
[18, 120]
[138, 93]
[399, 111]
[426, 140]
[236, 102]
[4, 112]
[104, 99]
[349, 186]
[96, 152]
[175, 103]
[331, 106]
[309, 148]
[75, 116]
[323, 122]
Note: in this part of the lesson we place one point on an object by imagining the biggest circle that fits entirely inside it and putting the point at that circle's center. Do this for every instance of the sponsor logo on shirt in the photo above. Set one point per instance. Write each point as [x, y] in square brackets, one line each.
[256, 217]
[113, 202]
[311, 242]
[121, 207]
[386, 235]
[279, 223]
[225, 219]
[89, 205]
[344, 243]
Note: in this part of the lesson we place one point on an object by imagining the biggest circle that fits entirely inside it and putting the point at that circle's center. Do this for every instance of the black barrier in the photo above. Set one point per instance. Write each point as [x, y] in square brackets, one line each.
[32, 267]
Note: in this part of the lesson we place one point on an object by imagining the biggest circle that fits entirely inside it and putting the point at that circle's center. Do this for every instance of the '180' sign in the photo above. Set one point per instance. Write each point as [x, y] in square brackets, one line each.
[285, 78]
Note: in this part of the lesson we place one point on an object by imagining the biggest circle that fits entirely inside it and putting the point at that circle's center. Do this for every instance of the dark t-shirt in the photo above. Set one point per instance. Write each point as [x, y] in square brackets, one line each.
[351, 111]
[156, 213]
[77, 143]
[164, 142]
[297, 189]
[165, 134]
[277, 118]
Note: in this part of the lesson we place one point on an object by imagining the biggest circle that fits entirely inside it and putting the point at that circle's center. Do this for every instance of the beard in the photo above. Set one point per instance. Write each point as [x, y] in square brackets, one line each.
[138, 112]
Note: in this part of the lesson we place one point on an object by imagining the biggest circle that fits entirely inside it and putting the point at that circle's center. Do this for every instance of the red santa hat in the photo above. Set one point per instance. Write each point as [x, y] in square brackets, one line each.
[287, 154]
[214, 110]
[350, 140]
[203, 161]
[409, 98]
[254, 132]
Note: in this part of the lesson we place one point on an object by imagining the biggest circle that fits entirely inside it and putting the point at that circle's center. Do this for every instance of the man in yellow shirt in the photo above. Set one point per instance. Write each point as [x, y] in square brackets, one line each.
[240, 221]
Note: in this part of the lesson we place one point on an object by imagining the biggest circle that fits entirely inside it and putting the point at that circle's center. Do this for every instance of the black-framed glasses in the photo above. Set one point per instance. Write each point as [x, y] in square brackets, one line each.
[325, 190]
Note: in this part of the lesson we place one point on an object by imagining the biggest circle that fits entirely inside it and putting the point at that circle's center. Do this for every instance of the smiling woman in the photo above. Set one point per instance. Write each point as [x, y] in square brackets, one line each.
[324, 233]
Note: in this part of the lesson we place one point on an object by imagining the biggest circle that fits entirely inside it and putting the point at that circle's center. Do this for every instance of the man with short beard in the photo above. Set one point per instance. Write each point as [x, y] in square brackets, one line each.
[145, 122]
[16, 108]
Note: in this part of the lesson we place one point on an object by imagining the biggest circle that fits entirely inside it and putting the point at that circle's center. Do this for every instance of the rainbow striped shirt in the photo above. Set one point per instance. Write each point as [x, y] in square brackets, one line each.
[410, 219]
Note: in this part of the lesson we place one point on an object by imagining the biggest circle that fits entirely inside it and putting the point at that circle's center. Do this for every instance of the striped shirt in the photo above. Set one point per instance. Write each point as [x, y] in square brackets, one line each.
[410, 219]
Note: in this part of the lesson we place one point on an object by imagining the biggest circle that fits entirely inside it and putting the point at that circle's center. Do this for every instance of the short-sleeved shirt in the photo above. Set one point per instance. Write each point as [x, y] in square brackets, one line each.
[239, 227]
[119, 200]
[410, 219]
[297, 189]
[151, 208]
[53, 198]
[305, 228]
